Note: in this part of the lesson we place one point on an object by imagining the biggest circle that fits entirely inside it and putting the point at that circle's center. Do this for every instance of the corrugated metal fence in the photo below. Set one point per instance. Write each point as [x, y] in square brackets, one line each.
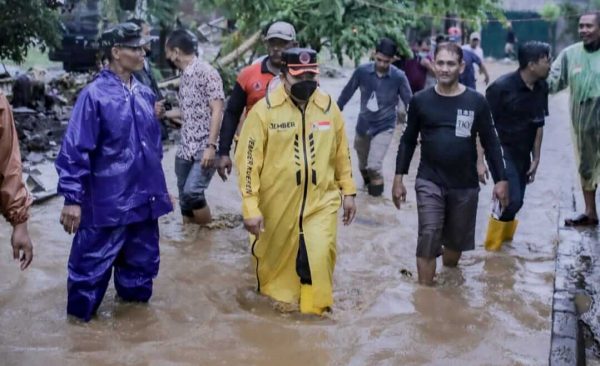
[526, 25]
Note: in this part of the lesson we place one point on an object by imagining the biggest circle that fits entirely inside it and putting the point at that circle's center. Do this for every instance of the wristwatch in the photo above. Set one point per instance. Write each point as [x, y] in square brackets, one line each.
[211, 144]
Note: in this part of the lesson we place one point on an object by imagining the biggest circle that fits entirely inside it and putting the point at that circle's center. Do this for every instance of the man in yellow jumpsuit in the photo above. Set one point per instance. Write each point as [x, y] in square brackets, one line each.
[294, 173]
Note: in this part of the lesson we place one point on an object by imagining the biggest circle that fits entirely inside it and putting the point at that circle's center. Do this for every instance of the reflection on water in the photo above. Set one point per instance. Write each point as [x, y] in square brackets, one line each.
[493, 309]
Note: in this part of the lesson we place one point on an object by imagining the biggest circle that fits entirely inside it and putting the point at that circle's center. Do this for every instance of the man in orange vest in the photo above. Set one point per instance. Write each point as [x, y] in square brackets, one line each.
[250, 87]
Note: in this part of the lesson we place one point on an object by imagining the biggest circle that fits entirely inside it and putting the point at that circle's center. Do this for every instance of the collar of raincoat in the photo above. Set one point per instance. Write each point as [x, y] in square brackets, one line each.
[108, 74]
[320, 99]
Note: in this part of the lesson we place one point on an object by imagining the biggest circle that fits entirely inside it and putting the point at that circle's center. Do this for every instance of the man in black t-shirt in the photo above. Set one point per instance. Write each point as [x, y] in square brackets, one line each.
[448, 119]
[519, 104]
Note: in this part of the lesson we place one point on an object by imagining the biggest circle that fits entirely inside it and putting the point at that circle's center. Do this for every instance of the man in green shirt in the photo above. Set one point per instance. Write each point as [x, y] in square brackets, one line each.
[578, 66]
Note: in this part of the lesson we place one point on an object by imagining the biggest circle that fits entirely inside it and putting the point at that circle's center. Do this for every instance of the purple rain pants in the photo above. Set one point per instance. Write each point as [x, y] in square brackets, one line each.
[133, 252]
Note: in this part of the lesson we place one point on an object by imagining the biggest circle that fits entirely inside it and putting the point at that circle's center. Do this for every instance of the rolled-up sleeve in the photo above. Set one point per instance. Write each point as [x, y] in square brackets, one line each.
[14, 198]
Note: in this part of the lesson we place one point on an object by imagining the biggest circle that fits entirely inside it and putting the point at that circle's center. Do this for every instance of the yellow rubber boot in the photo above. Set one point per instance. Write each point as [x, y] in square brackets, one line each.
[509, 229]
[495, 235]
[307, 305]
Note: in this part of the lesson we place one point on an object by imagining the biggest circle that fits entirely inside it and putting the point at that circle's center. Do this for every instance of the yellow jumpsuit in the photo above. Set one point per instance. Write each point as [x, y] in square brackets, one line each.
[294, 168]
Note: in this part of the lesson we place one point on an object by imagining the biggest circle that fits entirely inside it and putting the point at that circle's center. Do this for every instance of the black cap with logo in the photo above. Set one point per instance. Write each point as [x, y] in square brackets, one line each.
[123, 34]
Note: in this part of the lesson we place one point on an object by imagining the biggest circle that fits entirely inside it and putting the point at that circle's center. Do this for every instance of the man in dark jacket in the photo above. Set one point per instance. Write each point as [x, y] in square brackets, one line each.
[519, 105]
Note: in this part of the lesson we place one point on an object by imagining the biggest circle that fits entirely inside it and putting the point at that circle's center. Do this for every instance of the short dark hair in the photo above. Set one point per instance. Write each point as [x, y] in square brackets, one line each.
[183, 39]
[450, 47]
[532, 51]
[107, 54]
[595, 13]
[387, 47]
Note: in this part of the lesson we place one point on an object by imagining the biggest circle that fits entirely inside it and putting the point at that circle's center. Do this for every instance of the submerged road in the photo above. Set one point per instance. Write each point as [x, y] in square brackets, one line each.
[494, 309]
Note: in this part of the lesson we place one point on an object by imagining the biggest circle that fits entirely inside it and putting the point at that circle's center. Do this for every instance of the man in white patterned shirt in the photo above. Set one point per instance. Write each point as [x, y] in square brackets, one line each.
[201, 109]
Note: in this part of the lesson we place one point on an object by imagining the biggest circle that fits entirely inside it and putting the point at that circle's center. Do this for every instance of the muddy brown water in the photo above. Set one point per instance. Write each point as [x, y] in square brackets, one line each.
[494, 309]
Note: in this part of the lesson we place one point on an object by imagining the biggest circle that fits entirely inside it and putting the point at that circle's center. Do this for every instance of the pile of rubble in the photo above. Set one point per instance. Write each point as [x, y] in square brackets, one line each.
[42, 103]
[40, 134]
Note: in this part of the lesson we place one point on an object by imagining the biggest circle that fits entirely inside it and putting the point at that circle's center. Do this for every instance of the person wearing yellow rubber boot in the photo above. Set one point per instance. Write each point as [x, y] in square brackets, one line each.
[519, 104]
[294, 173]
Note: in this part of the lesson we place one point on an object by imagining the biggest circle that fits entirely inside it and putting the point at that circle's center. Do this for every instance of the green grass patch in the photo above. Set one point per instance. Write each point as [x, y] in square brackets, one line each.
[35, 57]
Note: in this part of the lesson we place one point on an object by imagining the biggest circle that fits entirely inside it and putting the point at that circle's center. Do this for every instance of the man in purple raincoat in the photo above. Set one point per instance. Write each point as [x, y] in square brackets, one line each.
[111, 177]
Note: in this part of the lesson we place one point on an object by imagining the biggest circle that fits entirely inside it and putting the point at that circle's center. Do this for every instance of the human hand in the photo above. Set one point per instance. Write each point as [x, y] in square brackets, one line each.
[255, 225]
[208, 157]
[21, 245]
[349, 209]
[532, 171]
[482, 172]
[159, 109]
[398, 191]
[70, 218]
[501, 192]
[224, 167]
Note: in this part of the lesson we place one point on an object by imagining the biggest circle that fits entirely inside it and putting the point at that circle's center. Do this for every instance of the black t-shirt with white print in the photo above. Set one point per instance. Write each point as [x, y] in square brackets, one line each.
[448, 127]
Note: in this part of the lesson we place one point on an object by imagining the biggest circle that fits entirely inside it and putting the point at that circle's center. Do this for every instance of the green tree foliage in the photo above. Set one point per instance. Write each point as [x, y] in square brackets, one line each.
[473, 11]
[164, 11]
[550, 12]
[351, 27]
[26, 23]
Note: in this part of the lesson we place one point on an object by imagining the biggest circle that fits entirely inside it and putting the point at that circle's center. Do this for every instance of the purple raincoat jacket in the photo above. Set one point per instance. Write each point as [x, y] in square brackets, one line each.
[110, 159]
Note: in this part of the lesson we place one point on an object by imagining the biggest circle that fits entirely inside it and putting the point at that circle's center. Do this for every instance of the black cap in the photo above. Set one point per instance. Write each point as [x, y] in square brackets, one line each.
[123, 34]
[387, 47]
[300, 60]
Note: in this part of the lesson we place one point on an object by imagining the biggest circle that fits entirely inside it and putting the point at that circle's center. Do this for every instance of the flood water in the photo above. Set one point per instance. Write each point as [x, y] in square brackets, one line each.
[494, 309]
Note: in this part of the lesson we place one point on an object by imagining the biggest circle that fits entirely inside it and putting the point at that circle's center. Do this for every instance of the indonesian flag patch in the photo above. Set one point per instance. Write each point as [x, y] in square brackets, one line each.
[321, 126]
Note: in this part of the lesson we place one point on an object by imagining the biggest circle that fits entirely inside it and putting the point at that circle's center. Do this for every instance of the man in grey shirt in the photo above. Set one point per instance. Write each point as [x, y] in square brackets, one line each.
[381, 85]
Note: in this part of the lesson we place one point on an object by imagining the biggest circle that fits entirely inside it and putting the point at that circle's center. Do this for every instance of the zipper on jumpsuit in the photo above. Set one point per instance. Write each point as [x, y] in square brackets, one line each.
[301, 240]
[305, 189]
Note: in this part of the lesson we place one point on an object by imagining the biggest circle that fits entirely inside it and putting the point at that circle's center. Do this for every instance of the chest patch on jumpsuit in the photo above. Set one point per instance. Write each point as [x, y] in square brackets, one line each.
[282, 125]
[321, 126]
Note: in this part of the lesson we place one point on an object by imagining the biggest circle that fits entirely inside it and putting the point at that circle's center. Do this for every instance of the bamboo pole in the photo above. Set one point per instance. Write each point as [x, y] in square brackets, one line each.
[223, 61]
[240, 51]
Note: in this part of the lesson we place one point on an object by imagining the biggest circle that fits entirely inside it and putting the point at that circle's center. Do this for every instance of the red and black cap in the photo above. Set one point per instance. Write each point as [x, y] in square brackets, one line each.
[300, 60]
